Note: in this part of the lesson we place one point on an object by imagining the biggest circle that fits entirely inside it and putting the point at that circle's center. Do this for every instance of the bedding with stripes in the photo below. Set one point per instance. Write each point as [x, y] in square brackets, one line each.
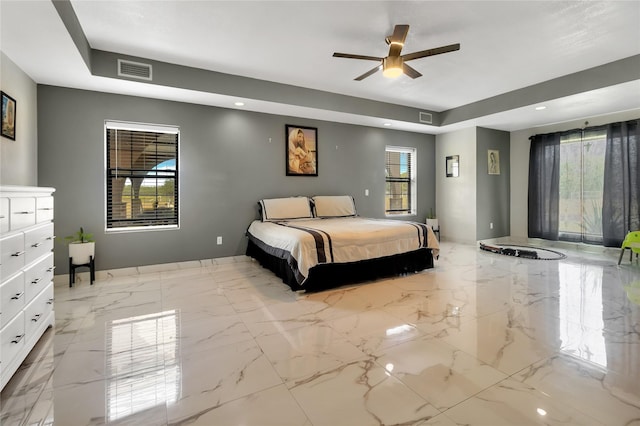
[310, 242]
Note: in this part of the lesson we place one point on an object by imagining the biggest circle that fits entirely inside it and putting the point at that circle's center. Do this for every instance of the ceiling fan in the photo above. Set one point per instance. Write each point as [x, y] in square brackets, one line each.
[395, 64]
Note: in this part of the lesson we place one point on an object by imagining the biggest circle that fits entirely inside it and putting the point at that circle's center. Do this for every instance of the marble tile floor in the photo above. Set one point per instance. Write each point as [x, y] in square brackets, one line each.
[481, 339]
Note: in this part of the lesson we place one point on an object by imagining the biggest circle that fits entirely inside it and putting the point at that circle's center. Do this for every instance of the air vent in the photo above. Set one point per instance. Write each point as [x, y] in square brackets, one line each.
[426, 118]
[134, 70]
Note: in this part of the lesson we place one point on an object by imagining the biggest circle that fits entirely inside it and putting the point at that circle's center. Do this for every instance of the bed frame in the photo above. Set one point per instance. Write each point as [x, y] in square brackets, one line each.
[329, 275]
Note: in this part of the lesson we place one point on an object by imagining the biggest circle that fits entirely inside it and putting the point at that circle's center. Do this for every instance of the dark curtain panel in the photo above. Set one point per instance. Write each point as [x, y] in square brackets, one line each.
[621, 203]
[544, 186]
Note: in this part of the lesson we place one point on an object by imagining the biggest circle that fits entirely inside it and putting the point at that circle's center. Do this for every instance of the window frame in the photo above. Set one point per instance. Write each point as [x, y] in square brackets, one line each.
[411, 181]
[141, 127]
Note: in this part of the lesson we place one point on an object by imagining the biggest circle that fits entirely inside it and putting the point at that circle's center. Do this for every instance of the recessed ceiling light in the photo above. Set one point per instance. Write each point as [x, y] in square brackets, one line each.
[239, 104]
[387, 124]
[540, 108]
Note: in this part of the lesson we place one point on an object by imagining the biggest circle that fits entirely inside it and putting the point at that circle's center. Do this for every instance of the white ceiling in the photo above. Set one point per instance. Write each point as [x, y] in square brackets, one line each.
[505, 46]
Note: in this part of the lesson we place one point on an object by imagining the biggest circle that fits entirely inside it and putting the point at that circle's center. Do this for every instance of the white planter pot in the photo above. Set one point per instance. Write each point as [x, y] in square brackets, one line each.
[80, 252]
[433, 223]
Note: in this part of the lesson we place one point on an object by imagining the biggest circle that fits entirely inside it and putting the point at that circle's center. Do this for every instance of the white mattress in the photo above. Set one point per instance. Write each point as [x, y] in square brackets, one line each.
[341, 240]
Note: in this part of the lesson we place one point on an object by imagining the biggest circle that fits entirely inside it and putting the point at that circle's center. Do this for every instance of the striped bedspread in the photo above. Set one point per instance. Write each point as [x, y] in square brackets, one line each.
[306, 243]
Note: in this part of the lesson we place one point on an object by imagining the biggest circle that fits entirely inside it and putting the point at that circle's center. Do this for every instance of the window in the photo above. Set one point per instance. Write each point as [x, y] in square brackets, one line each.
[584, 185]
[581, 185]
[141, 176]
[400, 171]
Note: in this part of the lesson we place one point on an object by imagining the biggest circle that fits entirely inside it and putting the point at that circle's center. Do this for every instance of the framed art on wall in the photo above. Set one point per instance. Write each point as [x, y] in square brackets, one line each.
[453, 166]
[493, 161]
[8, 116]
[301, 151]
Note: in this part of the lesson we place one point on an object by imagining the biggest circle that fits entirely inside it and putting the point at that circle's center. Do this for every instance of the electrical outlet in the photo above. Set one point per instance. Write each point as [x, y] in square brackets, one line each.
[491, 225]
[366, 192]
[219, 241]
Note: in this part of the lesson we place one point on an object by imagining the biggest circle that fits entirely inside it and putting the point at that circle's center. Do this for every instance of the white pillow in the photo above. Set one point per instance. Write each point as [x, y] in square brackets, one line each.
[334, 205]
[285, 208]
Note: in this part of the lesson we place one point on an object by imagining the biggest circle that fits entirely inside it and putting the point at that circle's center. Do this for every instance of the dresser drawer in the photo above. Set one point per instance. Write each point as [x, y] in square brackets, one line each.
[38, 310]
[38, 276]
[4, 215]
[38, 242]
[44, 209]
[13, 298]
[23, 212]
[12, 339]
[12, 255]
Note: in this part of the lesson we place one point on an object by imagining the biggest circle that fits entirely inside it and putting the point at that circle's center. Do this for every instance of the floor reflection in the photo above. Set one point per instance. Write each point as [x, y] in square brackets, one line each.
[633, 292]
[581, 310]
[143, 366]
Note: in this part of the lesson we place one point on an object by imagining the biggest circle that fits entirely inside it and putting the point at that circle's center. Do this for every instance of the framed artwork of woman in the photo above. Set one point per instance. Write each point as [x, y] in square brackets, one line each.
[302, 150]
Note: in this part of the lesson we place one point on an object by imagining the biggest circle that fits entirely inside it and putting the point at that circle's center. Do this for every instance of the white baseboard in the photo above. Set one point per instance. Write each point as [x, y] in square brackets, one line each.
[148, 269]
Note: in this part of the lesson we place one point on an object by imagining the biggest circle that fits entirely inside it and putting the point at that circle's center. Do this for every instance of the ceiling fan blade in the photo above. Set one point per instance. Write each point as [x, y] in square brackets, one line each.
[396, 41]
[350, 56]
[411, 72]
[368, 73]
[431, 52]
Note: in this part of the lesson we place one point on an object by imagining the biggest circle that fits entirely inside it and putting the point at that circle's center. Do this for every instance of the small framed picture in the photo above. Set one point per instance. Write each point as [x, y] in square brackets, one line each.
[301, 150]
[493, 161]
[8, 116]
[453, 165]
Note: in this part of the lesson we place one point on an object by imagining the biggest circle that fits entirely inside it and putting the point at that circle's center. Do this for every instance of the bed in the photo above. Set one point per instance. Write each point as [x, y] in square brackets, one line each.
[320, 242]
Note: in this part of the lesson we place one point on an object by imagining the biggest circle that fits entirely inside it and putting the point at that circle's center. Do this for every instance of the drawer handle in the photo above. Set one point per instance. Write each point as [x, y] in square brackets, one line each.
[2, 216]
[18, 253]
[36, 245]
[51, 237]
[45, 208]
[36, 318]
[36, 281]
[18, 338]
[50, 301]
[51, 269]
[17, 296]
[25, 212]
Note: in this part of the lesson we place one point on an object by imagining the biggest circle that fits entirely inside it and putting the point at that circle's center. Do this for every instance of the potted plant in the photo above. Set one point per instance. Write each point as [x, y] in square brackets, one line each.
[81, 247]
[432, 220]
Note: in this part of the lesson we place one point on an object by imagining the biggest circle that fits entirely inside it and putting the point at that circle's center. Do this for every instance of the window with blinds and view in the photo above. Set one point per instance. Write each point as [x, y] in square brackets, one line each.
[400, 181]
[142, 176]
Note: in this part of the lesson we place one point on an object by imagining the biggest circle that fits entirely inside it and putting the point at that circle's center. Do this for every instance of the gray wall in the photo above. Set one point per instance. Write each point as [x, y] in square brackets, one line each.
[467, 204]
[227, 163]
[19, 158]
[456, 196]
[493, 195]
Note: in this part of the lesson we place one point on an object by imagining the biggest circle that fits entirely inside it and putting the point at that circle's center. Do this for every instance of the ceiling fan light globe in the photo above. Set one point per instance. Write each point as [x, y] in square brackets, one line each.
[392, 67]
[392, 72]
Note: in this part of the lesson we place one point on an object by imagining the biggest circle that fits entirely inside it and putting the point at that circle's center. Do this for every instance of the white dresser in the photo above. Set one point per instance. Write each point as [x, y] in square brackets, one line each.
[26, 272]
